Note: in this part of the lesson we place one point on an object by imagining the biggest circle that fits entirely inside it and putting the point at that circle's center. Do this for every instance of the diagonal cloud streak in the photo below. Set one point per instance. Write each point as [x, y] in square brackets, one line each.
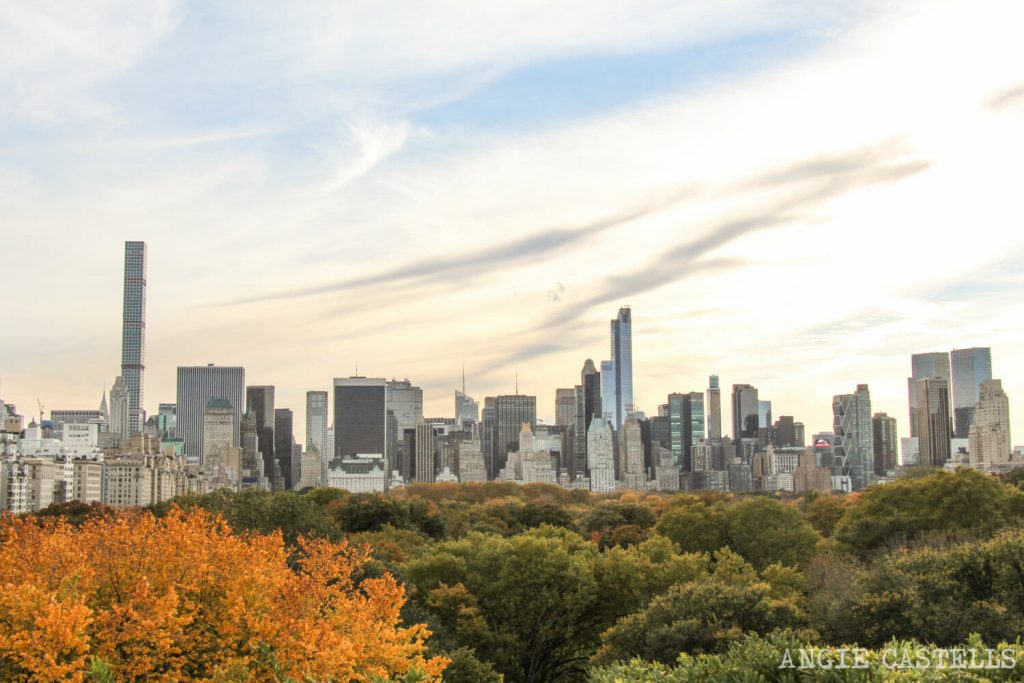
[444, 267]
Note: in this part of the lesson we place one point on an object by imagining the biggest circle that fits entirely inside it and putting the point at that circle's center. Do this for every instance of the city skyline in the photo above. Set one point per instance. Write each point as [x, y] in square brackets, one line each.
[313, 206]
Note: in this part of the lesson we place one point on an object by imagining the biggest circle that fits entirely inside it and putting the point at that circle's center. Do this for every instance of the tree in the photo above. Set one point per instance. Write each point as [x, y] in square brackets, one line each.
[944, 505]
[695, 526]
[182, 598]
[765, 531]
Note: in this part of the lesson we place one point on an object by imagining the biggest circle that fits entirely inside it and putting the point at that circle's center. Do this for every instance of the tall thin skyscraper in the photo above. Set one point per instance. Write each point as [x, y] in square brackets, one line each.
[970, 367]
[607, 392]
[196, 386]
[316, 423]
[933, 423]
[133, 334]
[360, 416]
[714, 408]
[622, 363]
[923, 366]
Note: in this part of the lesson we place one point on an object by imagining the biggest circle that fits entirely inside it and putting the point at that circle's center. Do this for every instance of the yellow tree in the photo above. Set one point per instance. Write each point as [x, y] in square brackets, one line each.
[184, 598]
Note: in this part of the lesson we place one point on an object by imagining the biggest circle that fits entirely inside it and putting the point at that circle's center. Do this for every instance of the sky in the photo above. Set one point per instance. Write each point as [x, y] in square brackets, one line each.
[794, 195]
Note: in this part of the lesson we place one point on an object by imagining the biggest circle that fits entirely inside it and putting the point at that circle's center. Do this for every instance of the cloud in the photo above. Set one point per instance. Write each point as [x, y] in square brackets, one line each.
[455, 269]
[1005, 99]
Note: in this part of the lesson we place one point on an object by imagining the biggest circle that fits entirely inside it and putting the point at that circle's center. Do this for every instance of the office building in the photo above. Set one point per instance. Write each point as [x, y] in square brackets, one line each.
[970, 367]
[686, 427]
[608, 392]
[883, 429]
[360, 416]
[565, 407]
[284, 437]
[764, 414]
[631, 471]
[510, 412]
[990, 429]
[785, 432]
[714, 409]
[317, 421]
[133, 333]
[252, 460]
[854, 441]
[600, 456]
[196, 386]
[934, 428]
[405, 403]
[622, 364]
[260, 400]
[119, 408]
[466, 408]
[925, 366]
[426, 445]
[745, 418]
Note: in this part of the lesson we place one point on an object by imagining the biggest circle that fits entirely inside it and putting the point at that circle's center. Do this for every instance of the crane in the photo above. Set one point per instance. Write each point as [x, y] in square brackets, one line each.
[40, 404]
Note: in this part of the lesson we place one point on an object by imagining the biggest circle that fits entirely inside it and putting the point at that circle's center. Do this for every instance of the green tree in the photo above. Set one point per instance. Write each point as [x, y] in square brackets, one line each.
[765, 531]
[942, 505]
[695, 526]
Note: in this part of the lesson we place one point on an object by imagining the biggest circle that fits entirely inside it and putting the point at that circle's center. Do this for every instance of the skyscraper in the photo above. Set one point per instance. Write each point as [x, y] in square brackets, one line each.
[745, 418]
[316, 423]
[510, 412]
[588, 405]
[923, 366]
[933, 424]
[426, 445]
[119, 408]
[622, 364]
[196, 386]
[218, 435]
[133, 333]
[607, 392]
[260, 400]
[360, 416]
[600, 456]
[252, 461]
[854, 444]
[631, 455]
[714, 408]
[283, 438]
[466, 408]
[565, 407]
[885, 443]
[405, 408]
[686, 427]
[970, 367]
[990, 428]
[487, 436]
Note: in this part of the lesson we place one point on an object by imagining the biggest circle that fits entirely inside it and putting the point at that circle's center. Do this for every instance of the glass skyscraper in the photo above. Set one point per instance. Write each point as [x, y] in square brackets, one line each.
[133, 333]
[360, 416]
[924, 366]
[970, 367]
[622, 364]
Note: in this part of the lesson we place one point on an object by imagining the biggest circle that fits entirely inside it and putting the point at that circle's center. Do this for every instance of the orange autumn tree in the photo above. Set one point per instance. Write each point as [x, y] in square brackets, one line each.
[184, 598]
